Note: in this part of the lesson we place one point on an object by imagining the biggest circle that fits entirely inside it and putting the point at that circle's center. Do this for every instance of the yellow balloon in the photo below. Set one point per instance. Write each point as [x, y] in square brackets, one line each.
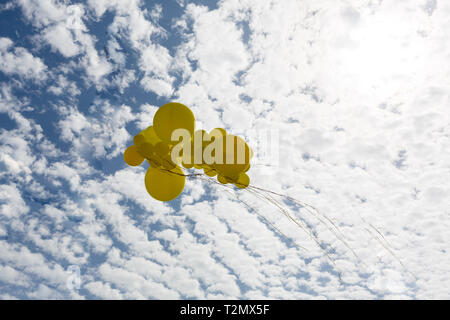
[195, 148]
[218, 132]
[210, 172]
[188, 165]
[214, 134]
[164, 185]
[146, 136]
[222, 179]
[153, 163]
[235, 162]
[132, 156]
[162, 148]
[243, 181]
[139, 139]
[162, 156]
[206, 140]
[167, 163]
[170, 117]
[146, 150]
[151, 136]
[202, 137]
[165, 179]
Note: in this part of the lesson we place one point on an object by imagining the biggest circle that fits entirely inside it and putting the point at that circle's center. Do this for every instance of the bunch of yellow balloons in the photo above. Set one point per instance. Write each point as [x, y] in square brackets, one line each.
[216, 153]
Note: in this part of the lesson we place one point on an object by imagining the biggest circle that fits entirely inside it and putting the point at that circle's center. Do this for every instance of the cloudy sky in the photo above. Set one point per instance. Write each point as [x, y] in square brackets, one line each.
[354, 95]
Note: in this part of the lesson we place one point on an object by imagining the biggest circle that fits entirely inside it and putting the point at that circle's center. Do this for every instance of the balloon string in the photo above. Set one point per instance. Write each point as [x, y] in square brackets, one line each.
[209, 179]
[319, 216]
[271, 200]
[283, 210]
[387, 246]
[267, 221]
[311, 234]
[257, 191]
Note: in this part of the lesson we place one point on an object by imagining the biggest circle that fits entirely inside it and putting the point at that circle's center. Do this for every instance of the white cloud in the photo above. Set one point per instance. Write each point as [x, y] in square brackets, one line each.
[20, 257]
[104, 291]
[102, 135]
[145, 117]
[42, 13]
[158, 86]
[17, 60]
[60, 38]
[16, 154]
[13, 204]
[44, 292]
[115, 52]
[12, 276]
[64, 30]
[133, 24]
[63, 85]
[134, 284]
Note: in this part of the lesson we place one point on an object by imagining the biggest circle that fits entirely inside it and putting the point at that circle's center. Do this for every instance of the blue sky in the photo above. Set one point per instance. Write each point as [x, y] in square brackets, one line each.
[354, 95]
